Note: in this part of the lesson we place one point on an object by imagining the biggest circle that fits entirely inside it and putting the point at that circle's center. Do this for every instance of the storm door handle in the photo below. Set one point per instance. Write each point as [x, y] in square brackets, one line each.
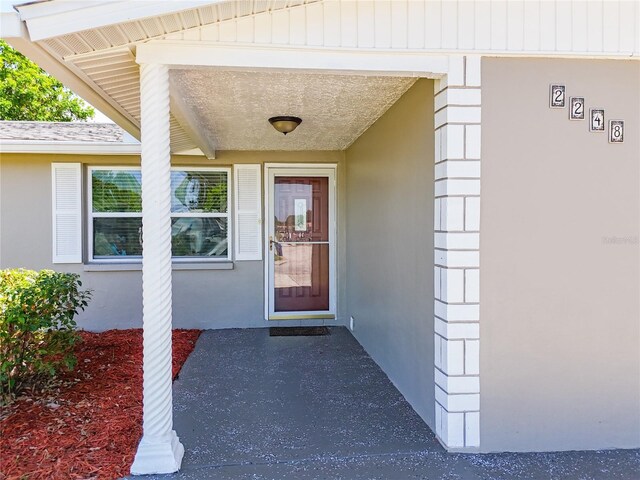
[272, 242]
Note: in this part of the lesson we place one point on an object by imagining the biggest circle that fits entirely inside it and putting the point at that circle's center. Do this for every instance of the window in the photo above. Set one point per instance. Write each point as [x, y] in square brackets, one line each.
[200, 227]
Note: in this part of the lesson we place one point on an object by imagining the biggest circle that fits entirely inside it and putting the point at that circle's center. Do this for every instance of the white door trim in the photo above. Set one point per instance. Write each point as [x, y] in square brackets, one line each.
[300, 170]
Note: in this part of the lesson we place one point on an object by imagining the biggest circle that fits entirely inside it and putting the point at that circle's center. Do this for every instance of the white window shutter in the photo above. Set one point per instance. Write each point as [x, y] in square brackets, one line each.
[248, 215]
[67, 212]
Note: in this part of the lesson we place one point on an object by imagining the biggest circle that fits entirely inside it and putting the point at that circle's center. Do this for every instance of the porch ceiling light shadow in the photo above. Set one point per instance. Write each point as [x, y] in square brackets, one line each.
[285, 124]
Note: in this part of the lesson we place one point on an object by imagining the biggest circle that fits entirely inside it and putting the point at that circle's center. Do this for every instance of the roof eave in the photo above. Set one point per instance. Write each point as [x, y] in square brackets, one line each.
[61, 17]
[11, 26]
[75, 148]
[15, 33]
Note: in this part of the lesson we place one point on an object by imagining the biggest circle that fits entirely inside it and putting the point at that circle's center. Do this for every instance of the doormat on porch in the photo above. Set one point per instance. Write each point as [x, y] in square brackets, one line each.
[298, 331]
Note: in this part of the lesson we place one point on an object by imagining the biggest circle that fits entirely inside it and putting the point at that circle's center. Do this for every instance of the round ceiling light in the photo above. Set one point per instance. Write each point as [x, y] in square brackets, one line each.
[285, 124]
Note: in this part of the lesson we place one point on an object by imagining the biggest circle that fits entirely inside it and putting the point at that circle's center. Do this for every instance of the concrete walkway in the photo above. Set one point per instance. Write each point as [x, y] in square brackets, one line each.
[250, 406]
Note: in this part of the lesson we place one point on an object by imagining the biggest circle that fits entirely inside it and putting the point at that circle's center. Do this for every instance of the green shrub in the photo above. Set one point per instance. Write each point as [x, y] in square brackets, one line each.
[37, 326]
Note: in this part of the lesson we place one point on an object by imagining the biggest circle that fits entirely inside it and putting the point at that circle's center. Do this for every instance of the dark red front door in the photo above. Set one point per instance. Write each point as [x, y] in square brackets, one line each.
[301, 248]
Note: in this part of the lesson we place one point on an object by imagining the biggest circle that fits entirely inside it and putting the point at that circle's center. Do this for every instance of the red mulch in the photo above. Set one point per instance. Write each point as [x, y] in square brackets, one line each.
[92, 427]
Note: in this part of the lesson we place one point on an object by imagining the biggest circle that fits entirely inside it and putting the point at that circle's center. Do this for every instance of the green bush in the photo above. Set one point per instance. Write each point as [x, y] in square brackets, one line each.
[37, 326]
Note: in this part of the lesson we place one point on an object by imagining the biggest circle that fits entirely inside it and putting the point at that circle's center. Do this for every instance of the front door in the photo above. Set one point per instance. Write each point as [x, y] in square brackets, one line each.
[300, 280]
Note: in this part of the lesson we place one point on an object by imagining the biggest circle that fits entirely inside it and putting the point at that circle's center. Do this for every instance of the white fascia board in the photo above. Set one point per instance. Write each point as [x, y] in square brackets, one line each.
[38, 9]
[181, 54]
[11, 26]
[74, 148]
[69, 79]
[61, 17]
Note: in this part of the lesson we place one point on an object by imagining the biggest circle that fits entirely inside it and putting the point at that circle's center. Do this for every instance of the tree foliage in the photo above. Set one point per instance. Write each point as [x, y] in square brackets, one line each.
[28, 93]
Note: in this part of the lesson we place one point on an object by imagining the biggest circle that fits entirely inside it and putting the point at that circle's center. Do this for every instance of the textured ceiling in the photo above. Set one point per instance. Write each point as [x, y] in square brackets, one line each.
[335, 109]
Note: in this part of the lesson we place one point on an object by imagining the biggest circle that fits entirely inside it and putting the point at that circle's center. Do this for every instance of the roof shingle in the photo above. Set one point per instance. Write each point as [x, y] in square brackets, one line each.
[64, 132]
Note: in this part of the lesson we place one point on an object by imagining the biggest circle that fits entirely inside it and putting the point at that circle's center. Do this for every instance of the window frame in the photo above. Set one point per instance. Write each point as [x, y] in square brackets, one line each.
[90, 215]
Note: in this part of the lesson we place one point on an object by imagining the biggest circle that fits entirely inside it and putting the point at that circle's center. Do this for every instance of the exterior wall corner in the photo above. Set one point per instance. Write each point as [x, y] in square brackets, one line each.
[457, 253]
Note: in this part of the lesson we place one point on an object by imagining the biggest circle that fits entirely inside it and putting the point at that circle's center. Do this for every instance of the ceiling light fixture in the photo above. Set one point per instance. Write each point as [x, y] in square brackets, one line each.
[285, 124]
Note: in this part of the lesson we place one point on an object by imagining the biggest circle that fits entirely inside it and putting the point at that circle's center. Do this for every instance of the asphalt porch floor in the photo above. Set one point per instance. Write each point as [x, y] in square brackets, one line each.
[251, 406]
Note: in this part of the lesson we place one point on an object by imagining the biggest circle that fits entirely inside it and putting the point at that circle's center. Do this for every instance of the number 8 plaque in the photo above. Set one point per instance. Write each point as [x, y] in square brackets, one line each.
[616, 131]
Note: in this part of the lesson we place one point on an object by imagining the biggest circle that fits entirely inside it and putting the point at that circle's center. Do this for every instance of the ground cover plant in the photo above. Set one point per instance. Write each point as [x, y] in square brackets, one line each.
[37, 327]
[88, 424]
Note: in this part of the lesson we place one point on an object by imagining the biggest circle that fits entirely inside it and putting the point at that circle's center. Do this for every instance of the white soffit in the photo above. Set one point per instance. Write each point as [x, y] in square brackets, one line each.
[122, 33]
[234, 106]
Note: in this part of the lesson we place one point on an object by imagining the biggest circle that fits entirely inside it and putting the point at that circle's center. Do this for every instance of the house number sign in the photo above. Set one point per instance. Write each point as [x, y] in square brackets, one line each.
[597, 120]
[576, 108]
[616, 131]
[557, 97]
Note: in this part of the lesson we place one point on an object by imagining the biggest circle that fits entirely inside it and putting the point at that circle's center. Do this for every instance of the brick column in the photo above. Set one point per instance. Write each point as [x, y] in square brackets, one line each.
[457, 255]
[159, 451]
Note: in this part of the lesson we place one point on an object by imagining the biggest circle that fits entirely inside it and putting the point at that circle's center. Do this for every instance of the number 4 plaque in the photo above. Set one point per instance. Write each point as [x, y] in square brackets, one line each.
[597, 120]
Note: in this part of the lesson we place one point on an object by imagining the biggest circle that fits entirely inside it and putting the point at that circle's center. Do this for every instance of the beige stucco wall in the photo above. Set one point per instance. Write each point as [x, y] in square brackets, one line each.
[202, 298]
[390, 175]
[560, 316]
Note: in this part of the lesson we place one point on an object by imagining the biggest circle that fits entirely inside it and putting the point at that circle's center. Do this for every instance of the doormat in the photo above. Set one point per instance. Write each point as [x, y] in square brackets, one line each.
[298, 331]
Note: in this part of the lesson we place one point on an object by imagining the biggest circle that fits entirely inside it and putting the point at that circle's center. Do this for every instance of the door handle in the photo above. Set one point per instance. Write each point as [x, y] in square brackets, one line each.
[271, 242]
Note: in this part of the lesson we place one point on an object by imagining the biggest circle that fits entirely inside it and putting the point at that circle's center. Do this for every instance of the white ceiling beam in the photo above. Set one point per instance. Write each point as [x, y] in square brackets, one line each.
[185, 54]
[51, 19]
[189, 123]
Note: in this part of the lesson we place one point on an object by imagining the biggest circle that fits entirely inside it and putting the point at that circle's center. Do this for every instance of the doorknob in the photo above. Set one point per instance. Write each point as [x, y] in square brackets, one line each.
[271, 242]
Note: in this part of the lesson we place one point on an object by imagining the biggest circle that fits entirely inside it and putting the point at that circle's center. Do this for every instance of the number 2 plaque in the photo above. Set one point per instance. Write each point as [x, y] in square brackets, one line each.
[557, 96]
[576, 108]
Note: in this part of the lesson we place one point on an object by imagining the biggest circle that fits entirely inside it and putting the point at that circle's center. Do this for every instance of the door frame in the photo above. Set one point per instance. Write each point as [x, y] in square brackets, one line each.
[271, 170]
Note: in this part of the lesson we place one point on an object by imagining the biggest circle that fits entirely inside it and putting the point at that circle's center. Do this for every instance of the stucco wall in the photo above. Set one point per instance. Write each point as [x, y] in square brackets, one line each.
[560, 317]
[390, 177]
[202, 298]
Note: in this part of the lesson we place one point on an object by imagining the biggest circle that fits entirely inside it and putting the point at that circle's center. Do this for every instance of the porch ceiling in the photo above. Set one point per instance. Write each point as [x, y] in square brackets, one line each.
[233, 107]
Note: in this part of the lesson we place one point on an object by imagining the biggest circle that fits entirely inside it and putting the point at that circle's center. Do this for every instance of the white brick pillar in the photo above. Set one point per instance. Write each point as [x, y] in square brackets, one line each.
[159, 451]
[457, 255]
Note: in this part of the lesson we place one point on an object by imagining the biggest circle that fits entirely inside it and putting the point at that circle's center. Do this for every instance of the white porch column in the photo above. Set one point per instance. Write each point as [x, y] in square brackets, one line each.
[159, 451]
[457, 255]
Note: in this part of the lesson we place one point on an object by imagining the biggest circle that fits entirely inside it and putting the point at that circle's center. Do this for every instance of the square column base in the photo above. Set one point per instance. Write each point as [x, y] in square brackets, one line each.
[158, 455]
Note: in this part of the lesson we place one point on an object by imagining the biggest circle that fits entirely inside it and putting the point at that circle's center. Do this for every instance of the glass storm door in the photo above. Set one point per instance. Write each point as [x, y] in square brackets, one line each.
[300, 246]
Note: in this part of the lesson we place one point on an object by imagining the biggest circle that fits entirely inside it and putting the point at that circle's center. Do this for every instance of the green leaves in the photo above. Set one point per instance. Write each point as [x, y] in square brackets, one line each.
[28, 93]
[200, 191]
[37, 325]
[116, 191]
